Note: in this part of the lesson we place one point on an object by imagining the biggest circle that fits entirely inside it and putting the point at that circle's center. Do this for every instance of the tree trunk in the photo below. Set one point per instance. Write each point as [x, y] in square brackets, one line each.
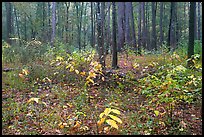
[115, 56]
[127, 24]
[133, 27]
[108, 38]
[154, 38]
[171, 42]
[161, 24]
[191, 33]
[67, 22]
[139, 28]
[17, 25]
[100, 17]
[143, 26]
[121, 32]
[199, 28]
[195, 27]
[8, 20]
[53, 23]
[92, 27]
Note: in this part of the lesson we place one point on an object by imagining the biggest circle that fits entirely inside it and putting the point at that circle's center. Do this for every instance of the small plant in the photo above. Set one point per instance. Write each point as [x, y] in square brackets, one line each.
[104, 117]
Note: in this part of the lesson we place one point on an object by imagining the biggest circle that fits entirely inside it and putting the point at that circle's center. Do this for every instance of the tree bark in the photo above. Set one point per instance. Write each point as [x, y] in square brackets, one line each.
[127, 24]
[199, 26]
[132, 27]
[154, 38]
[53, 23]
[161, 24]
[114, 57]
[171, 42]
[121, 27]
[9, 23]
[92, 27]
[143, 26]
[139, 28]
[191, 33]
[100, 17]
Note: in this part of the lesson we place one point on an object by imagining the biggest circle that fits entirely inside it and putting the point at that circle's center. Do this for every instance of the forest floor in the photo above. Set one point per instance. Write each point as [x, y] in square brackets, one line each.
[148, 103]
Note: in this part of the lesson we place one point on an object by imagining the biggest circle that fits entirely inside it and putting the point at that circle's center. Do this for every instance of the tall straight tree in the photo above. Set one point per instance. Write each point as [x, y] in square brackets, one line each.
[144, 37]
[115, 56]
[53, 23]
[161, 24]
[17, 24]
[132, 26]
[147, 20]
[171, 42]
[127, 24]
[92, 27]
[154, 37]
[199, 26]
[79, 21]
[67, 21]
[191, 33]
[121, 24]
[139, 28]
[108, 32]
[100, 34]
[9, 23]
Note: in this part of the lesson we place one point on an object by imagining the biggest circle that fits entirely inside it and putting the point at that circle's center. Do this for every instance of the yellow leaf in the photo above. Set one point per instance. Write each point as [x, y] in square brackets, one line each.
[103, 79]
[156, 112]
[92, 74]
[25, 71]
[91, 81]
[71, 69]
[112, 123]
[107, 111]
[64, 106]
[77, 72]
[59, 58]
[77, 125]
[21, 75]
[115, 111]
[100, 122]
[33, 99]
[101, 115]
[115, 118]
[83, 73]
[61, 126]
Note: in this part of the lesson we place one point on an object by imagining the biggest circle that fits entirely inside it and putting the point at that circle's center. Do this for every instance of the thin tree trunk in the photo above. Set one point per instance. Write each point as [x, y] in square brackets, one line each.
[9, 23]
[53, 23]
[154, 26]
[199, 26]
[139, 28]
[133, 27]
[195, 27]
[17, 25]
[121, 27]
[191, 32]
[143, 26]
[114, 57]
[127, 24]
[161, 23]
[92, 26]
[108, 38]
[67, 22]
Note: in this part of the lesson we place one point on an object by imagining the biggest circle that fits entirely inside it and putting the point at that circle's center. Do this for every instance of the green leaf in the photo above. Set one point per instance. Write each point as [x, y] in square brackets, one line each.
[112, 123]
[115, 118]
[115, 111]
[156, 112]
